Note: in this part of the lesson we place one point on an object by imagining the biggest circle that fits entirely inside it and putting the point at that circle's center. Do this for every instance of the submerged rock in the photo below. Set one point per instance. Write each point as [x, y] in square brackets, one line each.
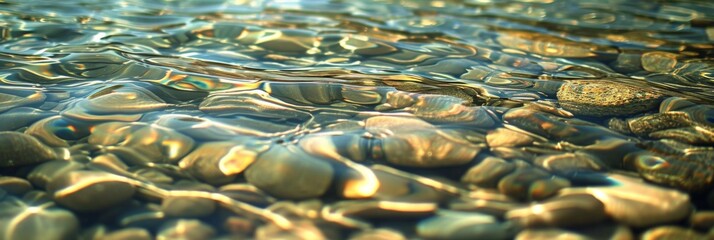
[21, 149]
[605, 98]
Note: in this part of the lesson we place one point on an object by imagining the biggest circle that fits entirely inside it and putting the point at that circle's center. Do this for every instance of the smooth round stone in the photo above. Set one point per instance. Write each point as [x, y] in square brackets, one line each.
[44, 130]
[605, 98]
[659, 61]
[219, 162]
[504, 137]
[378, 234]
[302, 229]
[14, 185]
[531, 184]
[671, 232]
[550, 234]
[128, 233]
[156, 143]
[246, 193]
[566, 211]
[288, 172]
[41, 175]
[488, 172]
[570, 162]
[703, 220]
[239, 226]
[636, 203]
[383, 209]
[21, 116]
[23, 222]
[186, 206]
[90, 191]
[428, 148]
[109, 163]
[186, 229]
[463, 225]
[21, 149]
[123, 99]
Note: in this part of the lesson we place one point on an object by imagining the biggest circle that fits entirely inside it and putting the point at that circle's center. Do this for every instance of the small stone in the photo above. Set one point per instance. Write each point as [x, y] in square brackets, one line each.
[463, 225]
[187, 229]
[128, 233]
[14, 185]
[504, 137]
[246, 193]
[302, 229]
[566, 211]
[488, 172]
[636, 203]
[371, 209]
[185, 205]
[219, 162]
[90, 191]
[531, 184]
[600, 98]
[550, 234]
[378, 234]
[659, 61]
[21, 149]
[23, 222]
[289, 172]
[671, 232]
[570, 163]
[703, 220]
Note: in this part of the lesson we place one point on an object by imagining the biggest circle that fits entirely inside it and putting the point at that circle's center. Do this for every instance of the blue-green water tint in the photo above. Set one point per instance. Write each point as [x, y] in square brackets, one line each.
[403, 108]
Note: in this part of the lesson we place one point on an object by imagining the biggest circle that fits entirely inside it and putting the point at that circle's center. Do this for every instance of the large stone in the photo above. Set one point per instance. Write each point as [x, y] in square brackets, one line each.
[90, 191]
[21, 149]
[289, 172]
[605, 98]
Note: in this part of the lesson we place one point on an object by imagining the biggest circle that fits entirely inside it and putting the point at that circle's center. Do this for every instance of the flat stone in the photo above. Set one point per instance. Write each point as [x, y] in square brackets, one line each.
[187, 229]
[90, 191]
[289, 172]
[601, 98]
[703, 220]
[14, 185]
[464, 225]
[21, 149]
[185, 205]
[378, 234]
[566, 211]
[570, 163]
[671, 232]
[219, 162]
[488, 172]
[428, 148]
[128, 233]
[636, 203]
[383, 209]
[504, 137]
[19, 221]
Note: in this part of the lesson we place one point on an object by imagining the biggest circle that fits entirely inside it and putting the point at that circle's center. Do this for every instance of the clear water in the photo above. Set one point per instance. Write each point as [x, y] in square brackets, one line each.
[376, 95]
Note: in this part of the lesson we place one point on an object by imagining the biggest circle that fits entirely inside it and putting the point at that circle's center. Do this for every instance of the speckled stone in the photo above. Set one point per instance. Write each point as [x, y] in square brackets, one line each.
[605, 98]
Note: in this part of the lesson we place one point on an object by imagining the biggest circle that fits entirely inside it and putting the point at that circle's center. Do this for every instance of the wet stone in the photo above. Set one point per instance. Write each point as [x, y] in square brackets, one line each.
[504, 137]
[14, 185]
[659, 61]
[488, 172]
[156, 143]
[462, 225]
[44, 173]
[128, 233]
[605, 98]
[383, 209]
[220, 162]
[288, 172]
[185, 205]
[378, 234]
[703, 220]
[428, 148]
[566, 211]
[531, 184]
[636, 203]
[671, 232]
[21, 149]
[570, 163]
[188, 229]
[90, 191]
[24, 222]
[246, 193]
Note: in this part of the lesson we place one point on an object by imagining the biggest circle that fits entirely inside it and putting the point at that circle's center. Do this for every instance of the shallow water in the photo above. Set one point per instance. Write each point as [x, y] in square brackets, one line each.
[356, 119]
